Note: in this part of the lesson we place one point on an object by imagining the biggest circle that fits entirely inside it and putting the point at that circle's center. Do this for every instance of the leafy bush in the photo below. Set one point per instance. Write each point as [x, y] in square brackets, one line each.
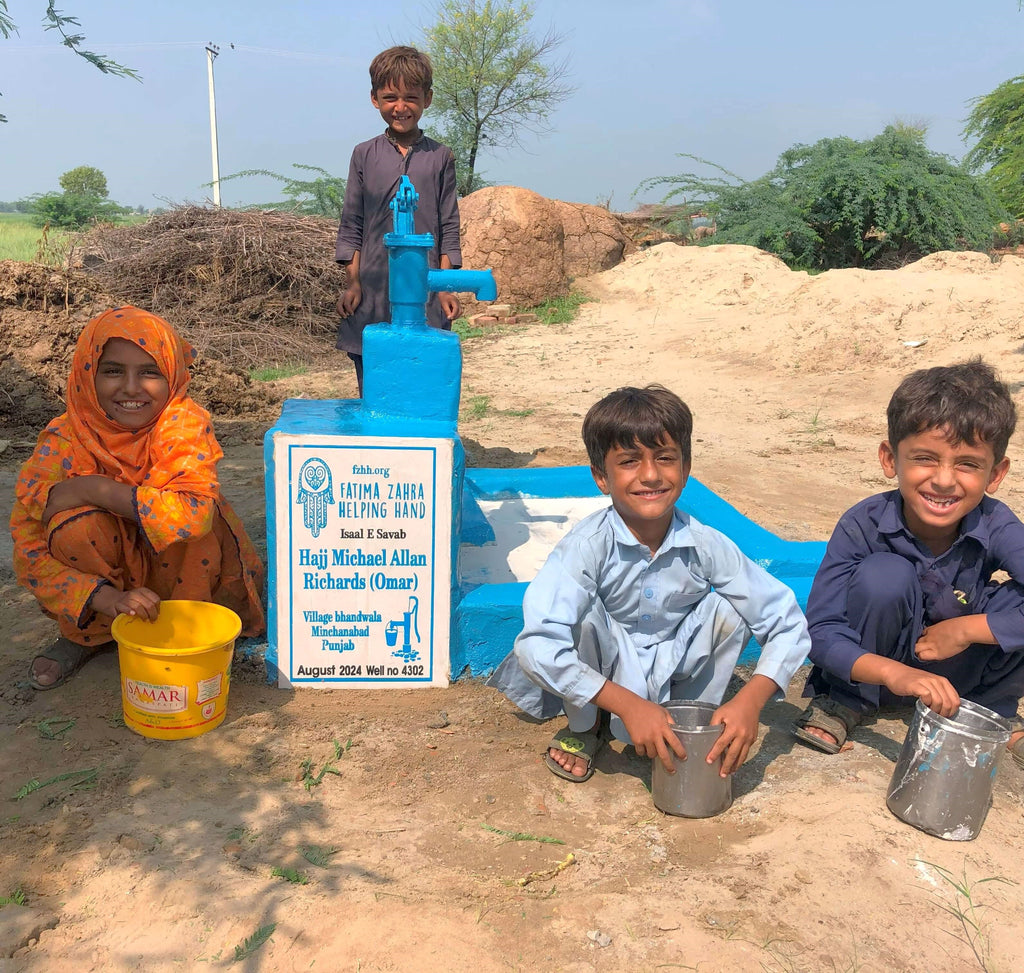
[844, 203]
[997, 121]
[322, 196]
[73, 210]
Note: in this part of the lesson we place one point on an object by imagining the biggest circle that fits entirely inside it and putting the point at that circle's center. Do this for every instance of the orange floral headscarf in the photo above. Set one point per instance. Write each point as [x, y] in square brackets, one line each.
[99, 444]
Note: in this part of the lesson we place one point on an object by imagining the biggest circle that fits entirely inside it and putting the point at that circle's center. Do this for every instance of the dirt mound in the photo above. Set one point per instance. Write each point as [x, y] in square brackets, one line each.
[35, 287]
[247, 287]
[42, 311]
[718, 275]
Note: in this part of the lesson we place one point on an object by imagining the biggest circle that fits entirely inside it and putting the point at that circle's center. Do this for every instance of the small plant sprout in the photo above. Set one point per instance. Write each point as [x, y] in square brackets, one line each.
[464, 329]
[80, 779]
[970, 924]
[311, 779]
[254, 942]
[522, 835]
[54, 727]
[290, 874]
[318, 855]
[17, 897]
[479, 406]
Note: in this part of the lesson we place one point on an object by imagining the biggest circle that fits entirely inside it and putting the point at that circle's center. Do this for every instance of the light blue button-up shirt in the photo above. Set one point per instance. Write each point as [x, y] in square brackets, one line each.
[649, 596]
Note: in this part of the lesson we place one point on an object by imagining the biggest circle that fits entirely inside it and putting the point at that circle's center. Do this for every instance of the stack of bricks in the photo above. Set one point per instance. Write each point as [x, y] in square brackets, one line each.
[498, 314]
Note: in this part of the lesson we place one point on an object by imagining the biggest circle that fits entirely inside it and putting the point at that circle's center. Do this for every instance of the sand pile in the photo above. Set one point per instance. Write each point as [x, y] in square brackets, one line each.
[842, 318]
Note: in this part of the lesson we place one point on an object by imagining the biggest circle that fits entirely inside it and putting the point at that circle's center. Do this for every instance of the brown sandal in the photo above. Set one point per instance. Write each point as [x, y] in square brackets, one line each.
[824, 713]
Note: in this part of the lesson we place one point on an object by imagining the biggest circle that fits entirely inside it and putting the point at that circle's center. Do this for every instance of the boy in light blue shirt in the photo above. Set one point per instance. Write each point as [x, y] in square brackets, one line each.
[640, 603]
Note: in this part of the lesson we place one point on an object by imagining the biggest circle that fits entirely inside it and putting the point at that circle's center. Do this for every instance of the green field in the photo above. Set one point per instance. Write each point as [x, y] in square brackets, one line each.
[21, 240]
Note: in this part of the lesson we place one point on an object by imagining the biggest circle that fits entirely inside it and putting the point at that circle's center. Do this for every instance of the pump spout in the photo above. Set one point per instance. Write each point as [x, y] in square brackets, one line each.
[479, 282]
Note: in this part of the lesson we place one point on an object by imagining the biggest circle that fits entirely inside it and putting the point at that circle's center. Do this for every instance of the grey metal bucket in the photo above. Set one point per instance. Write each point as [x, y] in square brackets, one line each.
[695, 790]
[942, 783]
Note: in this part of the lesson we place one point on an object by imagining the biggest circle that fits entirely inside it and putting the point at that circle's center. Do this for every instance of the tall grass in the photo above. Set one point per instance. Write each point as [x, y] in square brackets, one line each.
[21, 240]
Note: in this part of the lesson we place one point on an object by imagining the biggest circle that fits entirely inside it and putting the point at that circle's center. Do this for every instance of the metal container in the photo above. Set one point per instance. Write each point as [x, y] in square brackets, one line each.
[696, 789]
[942, 783]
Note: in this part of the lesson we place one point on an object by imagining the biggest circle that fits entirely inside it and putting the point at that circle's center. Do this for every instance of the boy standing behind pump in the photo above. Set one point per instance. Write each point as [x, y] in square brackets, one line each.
[400, 89]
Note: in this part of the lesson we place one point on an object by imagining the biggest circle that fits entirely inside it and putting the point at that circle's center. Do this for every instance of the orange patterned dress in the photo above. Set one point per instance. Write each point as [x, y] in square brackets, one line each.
[185, 541]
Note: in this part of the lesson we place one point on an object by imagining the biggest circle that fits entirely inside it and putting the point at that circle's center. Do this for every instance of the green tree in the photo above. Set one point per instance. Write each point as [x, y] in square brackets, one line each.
[72, 211]
[323, 196]
[84, 181]
[997, 122]
[493, 78]
[54, 19]
[844, 203]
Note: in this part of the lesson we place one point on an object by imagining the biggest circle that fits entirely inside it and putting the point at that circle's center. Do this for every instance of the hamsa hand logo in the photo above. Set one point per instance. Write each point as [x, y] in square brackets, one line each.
[315, 493]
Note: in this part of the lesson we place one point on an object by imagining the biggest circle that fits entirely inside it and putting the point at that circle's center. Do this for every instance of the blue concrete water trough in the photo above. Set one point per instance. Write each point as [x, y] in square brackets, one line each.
[492, 579]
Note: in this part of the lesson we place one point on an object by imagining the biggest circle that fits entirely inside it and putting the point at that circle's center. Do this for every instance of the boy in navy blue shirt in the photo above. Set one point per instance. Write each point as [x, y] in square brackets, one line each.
[904, 603]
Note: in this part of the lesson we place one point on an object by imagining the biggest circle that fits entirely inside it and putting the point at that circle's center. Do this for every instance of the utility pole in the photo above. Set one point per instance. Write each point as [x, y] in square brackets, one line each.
[212, 50]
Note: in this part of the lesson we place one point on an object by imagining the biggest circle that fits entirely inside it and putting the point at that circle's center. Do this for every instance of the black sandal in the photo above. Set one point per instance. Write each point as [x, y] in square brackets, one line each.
[69, 656]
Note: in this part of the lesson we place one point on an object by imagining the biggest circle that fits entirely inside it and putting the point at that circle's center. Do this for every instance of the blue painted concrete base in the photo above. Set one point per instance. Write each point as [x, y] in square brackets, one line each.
[412, 379]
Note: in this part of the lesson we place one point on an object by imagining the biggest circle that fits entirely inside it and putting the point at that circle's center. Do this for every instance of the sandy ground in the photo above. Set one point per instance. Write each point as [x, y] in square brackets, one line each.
[442, 834]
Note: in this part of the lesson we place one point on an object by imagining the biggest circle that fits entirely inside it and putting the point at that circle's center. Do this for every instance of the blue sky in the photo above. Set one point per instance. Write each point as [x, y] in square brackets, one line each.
[734, 81]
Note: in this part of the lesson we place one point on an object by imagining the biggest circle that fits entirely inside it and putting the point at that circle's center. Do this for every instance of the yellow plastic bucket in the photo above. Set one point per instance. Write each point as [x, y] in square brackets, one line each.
[175, 672]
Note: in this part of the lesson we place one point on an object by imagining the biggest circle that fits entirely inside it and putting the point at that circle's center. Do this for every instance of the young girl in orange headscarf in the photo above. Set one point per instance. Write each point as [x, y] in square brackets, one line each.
[119, 505]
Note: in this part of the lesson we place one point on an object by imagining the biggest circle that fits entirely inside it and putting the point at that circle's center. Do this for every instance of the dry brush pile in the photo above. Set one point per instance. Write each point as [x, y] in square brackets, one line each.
[248, 287]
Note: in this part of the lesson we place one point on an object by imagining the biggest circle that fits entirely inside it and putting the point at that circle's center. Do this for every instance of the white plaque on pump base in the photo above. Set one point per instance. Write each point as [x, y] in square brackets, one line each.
[363, 560]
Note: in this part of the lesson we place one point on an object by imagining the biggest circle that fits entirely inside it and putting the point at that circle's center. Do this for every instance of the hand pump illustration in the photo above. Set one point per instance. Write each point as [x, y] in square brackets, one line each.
[408, 623]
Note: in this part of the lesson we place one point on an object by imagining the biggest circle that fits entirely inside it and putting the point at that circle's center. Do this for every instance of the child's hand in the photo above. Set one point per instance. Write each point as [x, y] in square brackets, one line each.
[943, 640]
[650, 728]
[740, 718]
[140, 602]
[350, 298]
[449, 304]
[936, 692]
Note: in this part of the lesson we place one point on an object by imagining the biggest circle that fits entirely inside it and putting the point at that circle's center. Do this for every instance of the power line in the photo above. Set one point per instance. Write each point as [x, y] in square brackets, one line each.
[299, 55]
[11, 47]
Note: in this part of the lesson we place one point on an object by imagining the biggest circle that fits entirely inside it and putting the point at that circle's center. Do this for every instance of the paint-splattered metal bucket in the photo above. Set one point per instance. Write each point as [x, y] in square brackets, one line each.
[942, 783]
[696, 789]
